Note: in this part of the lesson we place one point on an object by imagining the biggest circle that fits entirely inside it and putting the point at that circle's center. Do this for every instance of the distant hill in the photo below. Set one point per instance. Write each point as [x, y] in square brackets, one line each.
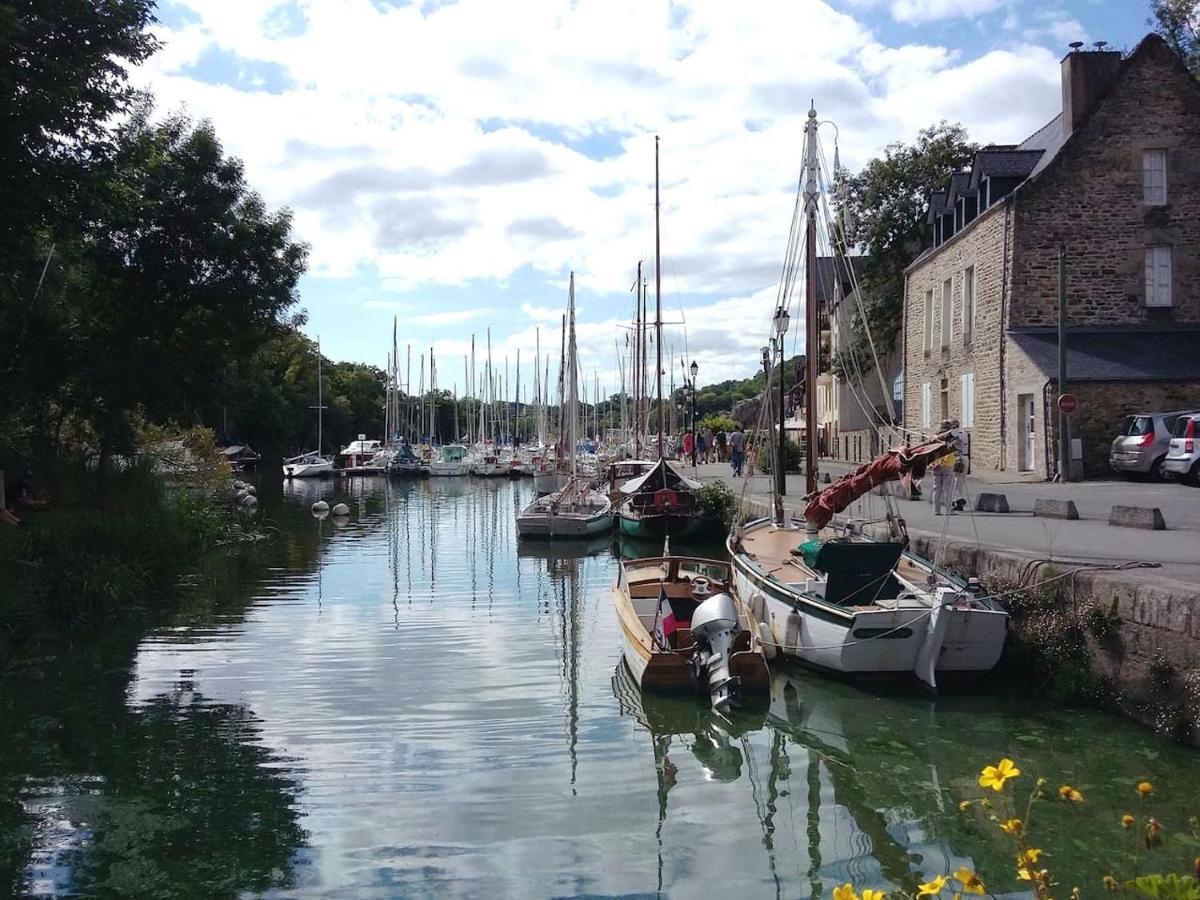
[722, 397]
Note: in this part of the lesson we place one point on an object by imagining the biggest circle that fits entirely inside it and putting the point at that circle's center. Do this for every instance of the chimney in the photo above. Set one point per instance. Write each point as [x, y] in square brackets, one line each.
[1086, 75]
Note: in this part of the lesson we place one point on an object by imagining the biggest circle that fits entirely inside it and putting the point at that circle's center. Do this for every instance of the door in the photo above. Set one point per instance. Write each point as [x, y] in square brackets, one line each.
[1027, 424]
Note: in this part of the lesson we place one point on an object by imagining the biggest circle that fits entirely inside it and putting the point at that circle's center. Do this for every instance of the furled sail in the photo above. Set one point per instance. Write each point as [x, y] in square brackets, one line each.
[902, 463]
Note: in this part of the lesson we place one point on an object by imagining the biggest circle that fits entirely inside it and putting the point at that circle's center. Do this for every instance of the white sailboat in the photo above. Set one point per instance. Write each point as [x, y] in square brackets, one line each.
[311, 464]
[575, 510]
[837, 600]
[450, 461]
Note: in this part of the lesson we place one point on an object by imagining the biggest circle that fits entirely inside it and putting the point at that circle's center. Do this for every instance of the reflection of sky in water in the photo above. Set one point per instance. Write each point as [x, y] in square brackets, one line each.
[447, 705]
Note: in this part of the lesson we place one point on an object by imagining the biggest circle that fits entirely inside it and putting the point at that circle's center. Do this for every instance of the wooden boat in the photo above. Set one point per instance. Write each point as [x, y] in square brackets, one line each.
[659, 503]
[685, 631]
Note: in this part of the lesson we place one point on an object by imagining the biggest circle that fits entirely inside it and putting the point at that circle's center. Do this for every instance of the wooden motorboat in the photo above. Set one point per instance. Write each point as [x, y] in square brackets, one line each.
[685, 630]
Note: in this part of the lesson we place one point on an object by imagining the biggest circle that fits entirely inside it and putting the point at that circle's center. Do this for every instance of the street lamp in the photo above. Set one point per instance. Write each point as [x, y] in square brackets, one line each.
[694, 369]
[781, 327]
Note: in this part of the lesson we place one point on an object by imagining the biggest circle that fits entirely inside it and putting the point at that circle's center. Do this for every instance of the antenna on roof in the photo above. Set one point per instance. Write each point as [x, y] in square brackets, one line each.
[1099, 45]
[1075, 45]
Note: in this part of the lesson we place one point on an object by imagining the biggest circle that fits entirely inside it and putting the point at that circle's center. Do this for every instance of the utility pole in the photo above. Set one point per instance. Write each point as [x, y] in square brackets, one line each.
[1064, 421]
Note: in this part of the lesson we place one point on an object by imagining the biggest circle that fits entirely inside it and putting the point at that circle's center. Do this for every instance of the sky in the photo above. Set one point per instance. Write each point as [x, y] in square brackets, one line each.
[450, 163]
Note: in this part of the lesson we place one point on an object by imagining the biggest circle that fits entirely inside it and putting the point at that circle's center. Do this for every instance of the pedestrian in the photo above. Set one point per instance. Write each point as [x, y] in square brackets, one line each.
[943, 474]
[701, 447]
[689, 446]
[722, 442]
[737, 451]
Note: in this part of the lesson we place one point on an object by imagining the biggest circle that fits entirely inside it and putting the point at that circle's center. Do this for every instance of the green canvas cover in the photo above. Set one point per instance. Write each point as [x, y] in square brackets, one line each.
[858, 572]
[810, 550]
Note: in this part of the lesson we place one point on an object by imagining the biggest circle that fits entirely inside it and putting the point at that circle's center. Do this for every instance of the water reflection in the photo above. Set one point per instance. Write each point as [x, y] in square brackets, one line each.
[410, 702]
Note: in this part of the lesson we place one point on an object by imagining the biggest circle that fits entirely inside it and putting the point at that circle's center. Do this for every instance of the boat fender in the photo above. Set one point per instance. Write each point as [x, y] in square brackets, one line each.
[251, 490]
[766, 640]
[666, 500]
[320, 507]
[340, 509]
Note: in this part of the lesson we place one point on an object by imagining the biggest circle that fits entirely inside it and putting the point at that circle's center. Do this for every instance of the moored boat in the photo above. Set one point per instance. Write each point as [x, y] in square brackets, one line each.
[684, 630]
[659, 503]
[450, 461]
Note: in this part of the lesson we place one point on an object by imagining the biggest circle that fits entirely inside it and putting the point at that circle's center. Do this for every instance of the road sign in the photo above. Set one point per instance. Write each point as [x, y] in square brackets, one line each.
[1067, 404]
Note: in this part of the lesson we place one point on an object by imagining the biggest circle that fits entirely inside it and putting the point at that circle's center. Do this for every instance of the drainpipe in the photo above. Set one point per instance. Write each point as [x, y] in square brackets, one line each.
[903, 368]
[1004, 270]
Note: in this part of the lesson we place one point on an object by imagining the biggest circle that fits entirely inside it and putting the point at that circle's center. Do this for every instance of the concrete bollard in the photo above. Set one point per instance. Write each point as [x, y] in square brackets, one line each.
[340, 509]
[1149, 517]
[1055, 509]
[826, 479]
[993, 503]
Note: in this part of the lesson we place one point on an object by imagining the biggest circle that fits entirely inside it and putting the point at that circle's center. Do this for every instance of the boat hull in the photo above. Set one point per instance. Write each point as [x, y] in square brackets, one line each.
[561, 527]
[658, 526]
[308, 470]
[448, 469]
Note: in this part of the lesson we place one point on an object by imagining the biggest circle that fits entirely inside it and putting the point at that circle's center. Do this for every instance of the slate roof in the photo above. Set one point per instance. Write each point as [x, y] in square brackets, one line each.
[1007, 162]
[960, 186]
[1115, 354]
[937, 205]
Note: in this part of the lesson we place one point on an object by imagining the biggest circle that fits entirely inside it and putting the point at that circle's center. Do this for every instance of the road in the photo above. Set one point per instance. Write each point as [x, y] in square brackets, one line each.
[1090, 538]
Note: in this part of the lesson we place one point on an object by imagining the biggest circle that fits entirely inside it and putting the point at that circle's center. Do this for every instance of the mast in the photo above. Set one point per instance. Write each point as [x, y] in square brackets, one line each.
[572, 365]
[658, 308]
[320, 399]
[408, 404]
[811, 322]
[637, 354]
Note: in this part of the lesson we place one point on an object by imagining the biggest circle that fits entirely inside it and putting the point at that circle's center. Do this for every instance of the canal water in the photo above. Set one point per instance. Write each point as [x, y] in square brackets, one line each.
[409, 703]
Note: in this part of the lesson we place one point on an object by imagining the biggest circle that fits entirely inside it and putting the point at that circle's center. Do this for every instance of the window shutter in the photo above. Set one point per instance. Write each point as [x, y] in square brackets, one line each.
[926, 404]
[967, 382]
[1162, 276]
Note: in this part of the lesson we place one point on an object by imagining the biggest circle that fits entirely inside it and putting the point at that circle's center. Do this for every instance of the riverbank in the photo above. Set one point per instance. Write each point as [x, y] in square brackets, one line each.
[1082, 629]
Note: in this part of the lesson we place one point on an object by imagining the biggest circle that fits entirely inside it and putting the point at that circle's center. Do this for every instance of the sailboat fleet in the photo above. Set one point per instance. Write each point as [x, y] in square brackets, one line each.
[830, 597]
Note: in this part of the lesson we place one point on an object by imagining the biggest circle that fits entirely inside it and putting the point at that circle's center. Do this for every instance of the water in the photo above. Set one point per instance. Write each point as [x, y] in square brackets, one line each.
[412, 704]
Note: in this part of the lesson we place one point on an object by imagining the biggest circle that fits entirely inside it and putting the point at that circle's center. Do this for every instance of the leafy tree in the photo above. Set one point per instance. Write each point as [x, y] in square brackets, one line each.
[887, 203]
[1178, 22]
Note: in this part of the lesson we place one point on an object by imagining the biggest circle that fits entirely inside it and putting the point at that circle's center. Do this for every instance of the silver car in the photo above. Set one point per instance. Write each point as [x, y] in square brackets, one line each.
[1183, 453]
[1141, 451]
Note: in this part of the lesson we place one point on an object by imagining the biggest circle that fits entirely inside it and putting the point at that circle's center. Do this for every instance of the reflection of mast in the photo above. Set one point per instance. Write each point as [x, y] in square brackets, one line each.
[573, 672]
[664, 774]
[766, 819]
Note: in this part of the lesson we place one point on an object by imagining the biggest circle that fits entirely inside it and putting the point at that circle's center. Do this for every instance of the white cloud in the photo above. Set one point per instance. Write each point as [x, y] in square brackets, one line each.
[459, 145]
[915, 12]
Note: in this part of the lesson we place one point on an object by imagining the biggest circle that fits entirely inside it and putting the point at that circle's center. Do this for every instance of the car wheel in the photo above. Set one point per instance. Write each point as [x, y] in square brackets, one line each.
[1193, 477]
[1158, 470]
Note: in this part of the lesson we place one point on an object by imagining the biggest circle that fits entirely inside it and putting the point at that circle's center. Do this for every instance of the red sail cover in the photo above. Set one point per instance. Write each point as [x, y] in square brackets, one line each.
[903, 463]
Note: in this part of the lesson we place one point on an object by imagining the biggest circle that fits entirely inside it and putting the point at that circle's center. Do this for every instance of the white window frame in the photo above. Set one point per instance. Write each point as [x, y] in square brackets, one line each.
[947, 313]
[1159, 276]
[968, 305]
[1154, 177]
[967, 383]
[927, 405]
[929, 321]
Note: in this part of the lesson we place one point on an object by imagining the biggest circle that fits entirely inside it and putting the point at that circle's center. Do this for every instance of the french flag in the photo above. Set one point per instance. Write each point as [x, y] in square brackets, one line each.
[665, 620]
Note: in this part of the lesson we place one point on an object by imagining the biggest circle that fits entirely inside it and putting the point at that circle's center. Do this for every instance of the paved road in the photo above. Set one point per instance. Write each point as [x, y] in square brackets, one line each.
[1091, 538]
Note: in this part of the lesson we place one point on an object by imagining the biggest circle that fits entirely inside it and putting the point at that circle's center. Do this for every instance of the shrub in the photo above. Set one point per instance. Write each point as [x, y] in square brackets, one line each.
[717, 503]
[794, 452]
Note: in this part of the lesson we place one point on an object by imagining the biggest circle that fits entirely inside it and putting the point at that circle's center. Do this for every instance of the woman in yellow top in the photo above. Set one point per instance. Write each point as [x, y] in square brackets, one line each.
[943, 475]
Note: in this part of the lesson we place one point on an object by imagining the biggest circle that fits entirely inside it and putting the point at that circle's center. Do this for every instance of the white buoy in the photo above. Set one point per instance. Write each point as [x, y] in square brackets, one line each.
[250, 502]
[251, 490]
[240, 497]
[341, 509]
[320, 507]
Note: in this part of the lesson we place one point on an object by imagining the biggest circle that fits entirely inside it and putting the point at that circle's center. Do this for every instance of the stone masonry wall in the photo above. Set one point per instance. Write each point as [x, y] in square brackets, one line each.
[980, 245]
[1090, 199]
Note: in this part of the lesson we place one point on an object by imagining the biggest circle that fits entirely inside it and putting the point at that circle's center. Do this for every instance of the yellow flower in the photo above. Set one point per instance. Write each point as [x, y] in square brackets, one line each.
[1011, 826]
[1127, 820]
[985, 803]
[932, 888]
[964, 805]
[995, 776]
[971, 882]
[1111, 883]
[1145, 788]
[1069, 793]
[1025, 873]
[869, 894]
[845, 892]
[1029, 857]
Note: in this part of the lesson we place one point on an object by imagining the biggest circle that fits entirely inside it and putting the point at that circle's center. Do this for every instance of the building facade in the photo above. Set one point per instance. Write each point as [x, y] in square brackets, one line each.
[1112, 182]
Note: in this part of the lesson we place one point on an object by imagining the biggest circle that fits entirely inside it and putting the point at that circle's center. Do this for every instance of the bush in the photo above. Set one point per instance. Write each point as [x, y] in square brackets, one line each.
[718, 423]
[795, 457]
[717, 503]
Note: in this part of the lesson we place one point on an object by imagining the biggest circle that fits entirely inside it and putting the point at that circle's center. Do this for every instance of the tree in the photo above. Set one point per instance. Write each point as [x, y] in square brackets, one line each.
[1178, 21]
[887, 204]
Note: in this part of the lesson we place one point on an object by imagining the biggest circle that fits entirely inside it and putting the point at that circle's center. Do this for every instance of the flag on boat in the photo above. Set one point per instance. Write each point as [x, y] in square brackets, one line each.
[665, 620]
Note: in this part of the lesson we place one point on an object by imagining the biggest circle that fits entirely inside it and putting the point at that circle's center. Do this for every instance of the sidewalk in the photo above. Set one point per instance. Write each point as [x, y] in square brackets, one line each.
[1089, 539]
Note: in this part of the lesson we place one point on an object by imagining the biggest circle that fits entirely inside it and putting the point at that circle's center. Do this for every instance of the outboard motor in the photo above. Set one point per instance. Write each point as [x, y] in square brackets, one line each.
[715, 628]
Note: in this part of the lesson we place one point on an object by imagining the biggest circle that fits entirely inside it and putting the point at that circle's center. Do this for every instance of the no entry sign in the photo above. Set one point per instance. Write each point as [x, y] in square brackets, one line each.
[1067, 404]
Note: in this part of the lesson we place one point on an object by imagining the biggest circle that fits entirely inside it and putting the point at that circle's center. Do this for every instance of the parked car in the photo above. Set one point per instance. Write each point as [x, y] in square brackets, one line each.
[1183, 453]
[1141, 451]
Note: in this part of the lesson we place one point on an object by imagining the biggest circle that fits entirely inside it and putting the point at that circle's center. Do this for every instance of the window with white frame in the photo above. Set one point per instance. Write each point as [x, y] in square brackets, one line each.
[1158, 276]
[947, 312]
[1154, 177]
[968, 399]
[968, 307]
[928, 321]
[927, 405]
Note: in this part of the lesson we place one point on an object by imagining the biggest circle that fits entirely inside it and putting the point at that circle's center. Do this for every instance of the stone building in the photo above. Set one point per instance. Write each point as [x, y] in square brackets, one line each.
[1113, 180]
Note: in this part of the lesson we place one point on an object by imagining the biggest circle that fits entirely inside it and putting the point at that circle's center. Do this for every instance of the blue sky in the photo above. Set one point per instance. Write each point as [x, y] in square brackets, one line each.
[450, 163]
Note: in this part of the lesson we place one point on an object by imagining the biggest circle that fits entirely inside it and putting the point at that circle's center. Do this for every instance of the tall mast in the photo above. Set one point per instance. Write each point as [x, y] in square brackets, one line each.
[637, 355]
[408, 404]
[320, 399]
[572, 366]
[811, 321]
[658, 307]
[473, 387]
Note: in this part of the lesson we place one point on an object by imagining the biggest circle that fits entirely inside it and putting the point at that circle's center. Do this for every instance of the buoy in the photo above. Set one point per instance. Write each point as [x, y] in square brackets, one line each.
[240, 496]
[320, 507]
[251, 490]
[250, 502]
[341, 509]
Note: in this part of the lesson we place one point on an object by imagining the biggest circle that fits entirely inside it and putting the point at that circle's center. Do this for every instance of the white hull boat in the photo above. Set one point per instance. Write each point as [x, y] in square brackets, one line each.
[307, 465]
[574, 512]
[450, 462]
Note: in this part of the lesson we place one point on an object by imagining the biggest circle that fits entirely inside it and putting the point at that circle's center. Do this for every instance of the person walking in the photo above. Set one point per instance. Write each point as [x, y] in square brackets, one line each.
[943, 474]
[701, 447]
[737, 451]
[722, 440]
[689, 447]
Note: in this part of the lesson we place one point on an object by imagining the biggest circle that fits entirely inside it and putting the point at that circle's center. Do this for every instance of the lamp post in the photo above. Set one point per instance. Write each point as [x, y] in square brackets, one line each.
[781, 327]
[768, 354]
[693, 368]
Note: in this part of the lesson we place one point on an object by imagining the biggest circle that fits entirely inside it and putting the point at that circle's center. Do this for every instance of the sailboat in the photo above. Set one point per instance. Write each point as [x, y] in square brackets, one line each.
[311, 464]
[835, 599]
[575, 510]
[660, 503]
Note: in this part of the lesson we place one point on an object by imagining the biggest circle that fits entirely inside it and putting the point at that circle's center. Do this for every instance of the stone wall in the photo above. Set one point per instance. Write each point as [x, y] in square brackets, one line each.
[980, 245]
[1091, 199]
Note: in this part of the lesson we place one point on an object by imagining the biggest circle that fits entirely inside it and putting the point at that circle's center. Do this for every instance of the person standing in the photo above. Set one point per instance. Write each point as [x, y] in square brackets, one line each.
[722, 442]
[701, 447]
[737, 451]
[689, 446]
[943, 474]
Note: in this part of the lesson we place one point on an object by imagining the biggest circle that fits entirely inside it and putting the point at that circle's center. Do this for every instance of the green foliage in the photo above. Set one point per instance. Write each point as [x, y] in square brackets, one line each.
[1165, 887]
[793, 451]
[718, 423]
[717, 503]
[1178, 21]
[720, 398]
[887, 204]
